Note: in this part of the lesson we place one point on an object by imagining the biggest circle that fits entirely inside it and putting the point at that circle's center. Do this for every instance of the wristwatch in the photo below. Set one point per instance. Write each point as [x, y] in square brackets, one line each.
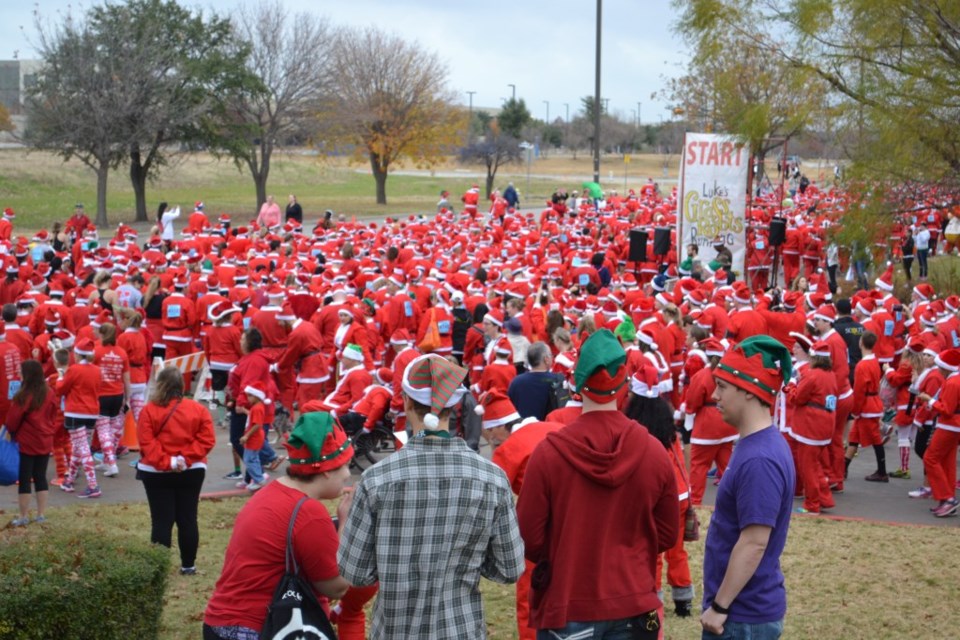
[721, 610]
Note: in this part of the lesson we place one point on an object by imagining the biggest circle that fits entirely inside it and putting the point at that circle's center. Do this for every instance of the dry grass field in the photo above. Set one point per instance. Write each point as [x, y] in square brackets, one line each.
[845, 580]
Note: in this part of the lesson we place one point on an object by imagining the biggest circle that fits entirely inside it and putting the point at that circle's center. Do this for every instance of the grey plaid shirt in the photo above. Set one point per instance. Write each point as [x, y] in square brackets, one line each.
[427, 522]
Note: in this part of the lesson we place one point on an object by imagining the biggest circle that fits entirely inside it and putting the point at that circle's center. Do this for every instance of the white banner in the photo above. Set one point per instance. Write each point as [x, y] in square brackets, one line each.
[713, 197]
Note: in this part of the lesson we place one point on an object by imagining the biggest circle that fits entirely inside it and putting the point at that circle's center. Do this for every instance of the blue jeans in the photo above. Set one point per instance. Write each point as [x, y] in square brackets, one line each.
[747, 631]
[646, 626]
[251, 460]
[922, 261]
[238, 424]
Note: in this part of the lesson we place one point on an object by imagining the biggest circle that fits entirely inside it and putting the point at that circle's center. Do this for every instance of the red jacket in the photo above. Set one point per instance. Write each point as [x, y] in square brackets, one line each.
[221, 344]
[349, 389]
[138, 353]
[812, 421]
[253, 367]
[586, 473]
[866, 388]
[179, 318]
[708, 425]
[33, 430]
[400, 363]
[745, 323]
[80, 388]
[900, 378]
[265, 321]
[513, 455]
[929, 382]
[374, 404]
[947, 405]
[188, 433]
[303, 351]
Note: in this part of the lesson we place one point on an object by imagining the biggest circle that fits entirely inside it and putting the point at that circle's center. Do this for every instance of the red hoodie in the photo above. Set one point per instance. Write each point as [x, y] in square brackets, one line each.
[598, 502]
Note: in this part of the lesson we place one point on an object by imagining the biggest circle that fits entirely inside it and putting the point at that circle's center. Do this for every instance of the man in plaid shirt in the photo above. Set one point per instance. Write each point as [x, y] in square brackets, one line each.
[431, 519]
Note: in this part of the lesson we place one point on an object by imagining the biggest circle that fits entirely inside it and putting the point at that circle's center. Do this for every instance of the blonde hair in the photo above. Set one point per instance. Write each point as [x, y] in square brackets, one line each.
[169, 386]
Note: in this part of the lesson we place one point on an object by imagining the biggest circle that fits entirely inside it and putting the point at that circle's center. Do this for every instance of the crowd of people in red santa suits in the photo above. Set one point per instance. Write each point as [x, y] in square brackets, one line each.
[341, 308]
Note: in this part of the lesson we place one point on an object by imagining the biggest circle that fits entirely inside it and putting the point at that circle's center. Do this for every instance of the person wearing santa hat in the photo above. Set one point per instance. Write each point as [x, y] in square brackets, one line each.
[79, 387]
[634, 516]
[320, 453]
[813, 399]
[178, 315]
[372, 407]
[711, 439]
[402, 344]
[254, 435]
[473, 521]
[940, 458]
[114, 364]
[399, 311]
[868, 409]
[221, 344]
[929, 382]
[754, 501]
[304, 354]
[500, 371]
[470, 199]
[823, 320]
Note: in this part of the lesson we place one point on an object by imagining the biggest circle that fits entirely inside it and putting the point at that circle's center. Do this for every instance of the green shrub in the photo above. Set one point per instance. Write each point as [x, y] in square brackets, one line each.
[68, 584]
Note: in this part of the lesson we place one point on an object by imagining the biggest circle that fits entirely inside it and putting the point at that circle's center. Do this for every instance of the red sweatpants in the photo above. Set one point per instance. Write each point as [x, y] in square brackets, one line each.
[816, 489]
[524, 632]
[940, 463]
[678, 564]
[838, 465]
[351, 621]
[791, 267]
[702, 456]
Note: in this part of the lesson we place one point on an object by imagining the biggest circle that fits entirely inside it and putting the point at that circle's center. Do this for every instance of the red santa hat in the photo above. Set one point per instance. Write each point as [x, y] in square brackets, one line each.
[258, 390]
[84, 348]
[885, 281]
[400, 337]
[826, 313]
[712, 348]
[494, 316]
[221, 310]
[805, 341]
[866, 306]
[948, 360]
[52, 317]
[503, 350]
[924, 291]
[497, 409]
[384, 375]
[645, 380]
[820, 348]
[287, 314]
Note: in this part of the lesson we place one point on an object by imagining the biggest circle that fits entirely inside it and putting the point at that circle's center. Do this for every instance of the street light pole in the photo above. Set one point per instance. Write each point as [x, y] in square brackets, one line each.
[514, 88]
[547, 102]
[567, 105]
[470, 93]
[596, 100]
[639, 116]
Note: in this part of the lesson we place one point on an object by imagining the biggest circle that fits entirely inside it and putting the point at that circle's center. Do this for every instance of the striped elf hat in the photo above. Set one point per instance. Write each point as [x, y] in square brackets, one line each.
[436, 382]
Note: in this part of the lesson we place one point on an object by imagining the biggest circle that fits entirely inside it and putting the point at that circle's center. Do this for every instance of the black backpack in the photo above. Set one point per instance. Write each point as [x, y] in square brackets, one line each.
[294, 611]
[559, 395]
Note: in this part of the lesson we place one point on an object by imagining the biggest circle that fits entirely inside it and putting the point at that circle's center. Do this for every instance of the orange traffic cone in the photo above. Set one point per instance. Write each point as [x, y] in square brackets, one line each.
[130, 433]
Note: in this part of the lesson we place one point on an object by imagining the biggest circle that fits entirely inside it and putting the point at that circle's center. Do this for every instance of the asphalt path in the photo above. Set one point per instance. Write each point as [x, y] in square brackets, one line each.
[868, 501]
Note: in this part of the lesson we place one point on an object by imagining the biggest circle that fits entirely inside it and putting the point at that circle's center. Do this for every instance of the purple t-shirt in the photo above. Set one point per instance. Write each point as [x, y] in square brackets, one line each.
[757, 488]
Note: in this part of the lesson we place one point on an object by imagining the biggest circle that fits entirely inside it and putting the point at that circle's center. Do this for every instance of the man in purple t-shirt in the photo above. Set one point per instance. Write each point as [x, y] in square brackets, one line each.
[743, 587]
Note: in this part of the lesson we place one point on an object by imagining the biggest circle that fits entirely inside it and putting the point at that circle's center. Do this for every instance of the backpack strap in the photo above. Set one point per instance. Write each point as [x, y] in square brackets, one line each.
[290, 561]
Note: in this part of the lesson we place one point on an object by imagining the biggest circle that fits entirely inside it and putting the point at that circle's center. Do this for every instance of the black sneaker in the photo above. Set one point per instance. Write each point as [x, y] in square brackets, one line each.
[188, 571]
[683, 608]
[233, 475]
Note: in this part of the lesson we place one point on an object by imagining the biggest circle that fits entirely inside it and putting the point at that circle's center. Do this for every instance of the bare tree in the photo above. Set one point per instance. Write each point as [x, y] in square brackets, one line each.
[494, 149]
[390, 99]
[291, 56]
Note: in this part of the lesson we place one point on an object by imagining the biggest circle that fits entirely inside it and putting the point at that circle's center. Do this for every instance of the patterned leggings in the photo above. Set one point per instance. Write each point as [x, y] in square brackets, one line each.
[105, 433]
[81, 455]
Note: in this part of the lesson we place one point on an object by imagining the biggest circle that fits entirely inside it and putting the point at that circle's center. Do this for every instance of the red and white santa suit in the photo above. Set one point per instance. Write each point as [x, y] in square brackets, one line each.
[373, 404]
[134, 342]
[400, 363]
[841, 371]
[178, 316]
[792, 246]
[867, 406]
[350, 385]
[940, 458]
[512, 456]
[304, 355]
[813, 400]
[470, 200]
[711, 439]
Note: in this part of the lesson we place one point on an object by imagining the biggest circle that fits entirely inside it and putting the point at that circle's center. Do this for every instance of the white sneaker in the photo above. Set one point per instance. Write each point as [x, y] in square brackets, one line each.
[253, 486]
[112, 471]
[102, 466]
[922, 492]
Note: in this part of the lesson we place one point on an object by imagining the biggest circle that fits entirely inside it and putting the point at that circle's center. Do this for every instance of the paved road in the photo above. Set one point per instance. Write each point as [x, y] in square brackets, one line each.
[867, 500]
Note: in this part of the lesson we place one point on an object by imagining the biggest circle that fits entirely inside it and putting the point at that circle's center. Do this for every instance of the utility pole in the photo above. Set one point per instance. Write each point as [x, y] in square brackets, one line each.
[470, 93]
[547, 102]
[470, 121]
[514, 88]
[567, 105]
[639, 117]
[596, 100]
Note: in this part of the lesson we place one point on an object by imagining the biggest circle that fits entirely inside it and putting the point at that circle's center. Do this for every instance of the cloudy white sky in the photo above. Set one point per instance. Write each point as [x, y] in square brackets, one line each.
[544, 47]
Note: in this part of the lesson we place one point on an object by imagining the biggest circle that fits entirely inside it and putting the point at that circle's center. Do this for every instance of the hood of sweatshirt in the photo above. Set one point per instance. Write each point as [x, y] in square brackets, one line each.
[604, 446]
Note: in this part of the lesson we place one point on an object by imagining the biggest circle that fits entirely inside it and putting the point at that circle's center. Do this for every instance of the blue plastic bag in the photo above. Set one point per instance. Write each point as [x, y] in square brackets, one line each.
[9, 459]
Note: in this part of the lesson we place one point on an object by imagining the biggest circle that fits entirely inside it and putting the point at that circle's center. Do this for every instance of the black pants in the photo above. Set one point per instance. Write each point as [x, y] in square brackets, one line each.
[832, 272]
[173, 498]
[907, 266]
[218, 379]
[922, 440]
[33, 468]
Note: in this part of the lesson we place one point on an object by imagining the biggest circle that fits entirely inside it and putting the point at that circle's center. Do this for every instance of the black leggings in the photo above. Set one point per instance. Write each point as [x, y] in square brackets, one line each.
[33, 468]
[173, 498]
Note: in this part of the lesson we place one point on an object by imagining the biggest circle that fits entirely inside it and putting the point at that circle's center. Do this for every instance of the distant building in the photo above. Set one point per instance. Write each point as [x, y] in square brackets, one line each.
[16, 76]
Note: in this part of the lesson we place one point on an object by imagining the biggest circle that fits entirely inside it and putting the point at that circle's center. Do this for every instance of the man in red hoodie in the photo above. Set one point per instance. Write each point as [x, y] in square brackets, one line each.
[592, 525]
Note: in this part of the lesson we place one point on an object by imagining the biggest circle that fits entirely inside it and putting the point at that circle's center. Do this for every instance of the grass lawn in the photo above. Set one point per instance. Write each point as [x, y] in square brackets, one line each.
[845, 580]
[41, 188]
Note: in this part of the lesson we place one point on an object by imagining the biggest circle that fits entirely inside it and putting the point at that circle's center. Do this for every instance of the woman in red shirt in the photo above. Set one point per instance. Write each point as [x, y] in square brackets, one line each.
[175, 435]
[31, 423]
[134, 342]
[79, 386]
[320, 453]
[114, 391]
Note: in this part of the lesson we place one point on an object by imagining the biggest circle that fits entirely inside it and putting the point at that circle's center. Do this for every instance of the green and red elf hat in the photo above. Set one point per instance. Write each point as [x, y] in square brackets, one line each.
[601, 373]
[759, 365]
[318, 443]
